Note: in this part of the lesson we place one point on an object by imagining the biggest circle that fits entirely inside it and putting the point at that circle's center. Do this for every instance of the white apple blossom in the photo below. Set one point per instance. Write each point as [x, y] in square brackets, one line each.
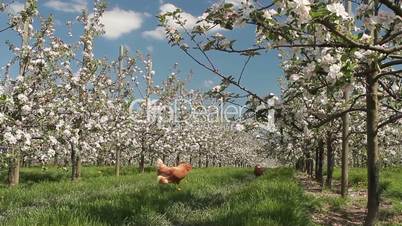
[67, 133]
[294, 77]
[26, 109]
[328, 59]
[2, 118]
[217, 89]
[302, 9]
[51, 152]
[218, 36]
[22, 98]
[339, 10]
[268, 13]
[10, 138]
[395, 87]
[53, 140]
[239, 127]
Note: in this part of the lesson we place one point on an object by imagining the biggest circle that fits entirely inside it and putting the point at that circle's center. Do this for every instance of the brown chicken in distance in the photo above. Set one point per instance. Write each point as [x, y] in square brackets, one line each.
[258, 170]
[168, 174]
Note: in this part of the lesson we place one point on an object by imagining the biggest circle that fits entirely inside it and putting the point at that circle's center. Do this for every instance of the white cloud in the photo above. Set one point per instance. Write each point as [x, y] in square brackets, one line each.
[208, 83]
[158, 33]
[72, 6]
[191, 20]
[15, 8]
[119, 22]
[150, 49]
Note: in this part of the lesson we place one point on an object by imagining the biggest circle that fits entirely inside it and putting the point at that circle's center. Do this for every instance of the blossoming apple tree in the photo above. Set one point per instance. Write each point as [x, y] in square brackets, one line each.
[67, 107]
[361, 49]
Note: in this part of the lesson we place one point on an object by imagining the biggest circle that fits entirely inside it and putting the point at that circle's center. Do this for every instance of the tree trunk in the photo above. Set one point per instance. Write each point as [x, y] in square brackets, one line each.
[177, 159]
[330, 160]
[56, 159]
[355, 160]
[345, 129]
[117, 169]
[310, 166]
[14, 171]
[142, 163]
[99, 160]
[14, 167]
[74, 163]
[152, 160]
[317, 150]
[206, 161]
[309, 160]
[23, 163]
[78, 167]
[345, 149]
[199, 161]
[373, 163]
[320, 160]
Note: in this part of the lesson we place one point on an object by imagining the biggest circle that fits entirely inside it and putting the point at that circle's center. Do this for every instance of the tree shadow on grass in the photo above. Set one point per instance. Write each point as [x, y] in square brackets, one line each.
[245, 205]
[29, 176]
[145, 205]
[35, 175]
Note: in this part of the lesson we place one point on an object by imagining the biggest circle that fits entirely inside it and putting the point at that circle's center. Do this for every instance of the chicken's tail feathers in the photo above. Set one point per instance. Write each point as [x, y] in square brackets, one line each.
[159, 163]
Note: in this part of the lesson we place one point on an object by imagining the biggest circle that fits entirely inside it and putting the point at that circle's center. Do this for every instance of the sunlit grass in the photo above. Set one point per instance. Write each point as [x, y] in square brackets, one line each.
[215, 196]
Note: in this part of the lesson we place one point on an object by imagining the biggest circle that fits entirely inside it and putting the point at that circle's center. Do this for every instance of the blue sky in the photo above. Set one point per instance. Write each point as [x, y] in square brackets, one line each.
[133, 23]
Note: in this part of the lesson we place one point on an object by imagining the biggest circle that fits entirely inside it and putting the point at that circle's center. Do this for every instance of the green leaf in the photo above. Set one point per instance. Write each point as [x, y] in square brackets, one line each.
[209, 45]
[3, 97]
[319, 12]
[228, 5]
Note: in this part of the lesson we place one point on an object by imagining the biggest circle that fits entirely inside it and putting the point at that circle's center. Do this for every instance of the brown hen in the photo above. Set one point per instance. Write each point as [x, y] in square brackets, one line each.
[258, 170]
[168, 174]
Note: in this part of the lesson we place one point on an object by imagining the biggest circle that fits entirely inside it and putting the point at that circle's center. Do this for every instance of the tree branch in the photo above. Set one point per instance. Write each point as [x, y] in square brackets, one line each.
[244, 67]
[390, 38]
[391, 63]
[396, 8]
[387, 90]
[392, 119]
[393, 73]
[5, 29]
[216, 72]
[335, 116]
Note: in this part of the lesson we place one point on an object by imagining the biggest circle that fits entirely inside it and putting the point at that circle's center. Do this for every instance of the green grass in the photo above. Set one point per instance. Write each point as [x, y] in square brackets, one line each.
[390, 183]
[214, 196]
[33, 175]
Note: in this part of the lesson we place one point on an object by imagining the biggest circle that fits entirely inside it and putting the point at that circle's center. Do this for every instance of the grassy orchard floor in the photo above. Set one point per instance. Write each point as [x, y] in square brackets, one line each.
[390, 188]
[213, 196]
[390, 184]
[334, 210]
